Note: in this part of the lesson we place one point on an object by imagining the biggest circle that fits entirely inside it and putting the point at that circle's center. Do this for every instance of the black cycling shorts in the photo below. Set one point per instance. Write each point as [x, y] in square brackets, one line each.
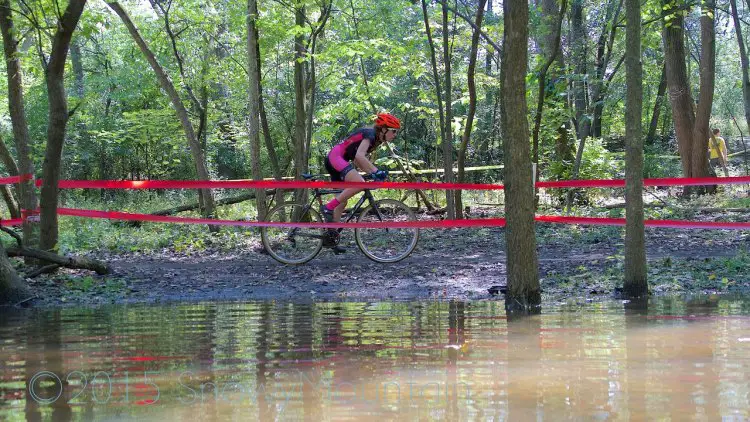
[337, 176]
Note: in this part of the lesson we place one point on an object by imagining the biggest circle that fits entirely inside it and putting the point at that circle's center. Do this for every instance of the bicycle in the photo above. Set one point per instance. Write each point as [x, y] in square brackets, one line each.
[298, 245]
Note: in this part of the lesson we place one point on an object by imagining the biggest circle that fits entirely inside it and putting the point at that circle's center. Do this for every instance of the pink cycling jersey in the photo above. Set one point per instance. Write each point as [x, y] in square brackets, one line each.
[346, 150]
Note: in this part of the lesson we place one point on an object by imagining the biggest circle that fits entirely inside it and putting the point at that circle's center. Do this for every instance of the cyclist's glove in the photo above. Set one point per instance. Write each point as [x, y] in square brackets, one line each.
[379, 175]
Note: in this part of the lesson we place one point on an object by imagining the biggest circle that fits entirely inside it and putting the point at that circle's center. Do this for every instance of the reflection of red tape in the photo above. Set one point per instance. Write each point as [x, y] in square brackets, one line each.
[482, 222]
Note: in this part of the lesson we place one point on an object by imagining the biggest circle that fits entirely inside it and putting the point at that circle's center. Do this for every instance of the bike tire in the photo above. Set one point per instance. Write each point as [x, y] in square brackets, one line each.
[292, 246]
[387, 245]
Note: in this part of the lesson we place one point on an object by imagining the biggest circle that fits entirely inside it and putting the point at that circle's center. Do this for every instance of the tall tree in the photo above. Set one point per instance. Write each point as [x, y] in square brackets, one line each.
[691, 124]
[448, 140]
[300, 89]
[472, 104]
[435, 75]
[636, 284]
[651, 135]
[167, 85]
[54, 75]
[524, 292]
[743, 61]
[253, 109]
[25, 165]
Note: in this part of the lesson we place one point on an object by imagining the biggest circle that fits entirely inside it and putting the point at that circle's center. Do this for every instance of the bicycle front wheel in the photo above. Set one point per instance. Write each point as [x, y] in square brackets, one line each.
[292, 245]
[387, 244]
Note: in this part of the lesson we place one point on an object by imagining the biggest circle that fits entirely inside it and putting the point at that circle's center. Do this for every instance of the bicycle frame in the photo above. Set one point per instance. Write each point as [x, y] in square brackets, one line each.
[317, 195]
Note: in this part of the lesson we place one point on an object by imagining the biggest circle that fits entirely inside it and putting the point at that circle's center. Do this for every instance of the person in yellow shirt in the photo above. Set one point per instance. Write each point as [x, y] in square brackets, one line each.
[718, 149]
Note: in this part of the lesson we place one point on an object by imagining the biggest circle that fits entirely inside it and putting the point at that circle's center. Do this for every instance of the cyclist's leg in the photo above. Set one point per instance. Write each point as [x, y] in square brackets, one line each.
[343, 197]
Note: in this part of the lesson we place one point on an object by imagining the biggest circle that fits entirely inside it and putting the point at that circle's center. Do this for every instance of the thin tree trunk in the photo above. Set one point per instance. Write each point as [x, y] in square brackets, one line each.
[266, 130]
[448, 140]
[7, 192]
[54, 75]
[636, 284]
[472, 105]
[743, 61]
[182, 114]
[300, 131]
[657, 106]
[26, 191]
[435, 76]
[524, 292]
[554, 51]
[701, 132]
[254, 106]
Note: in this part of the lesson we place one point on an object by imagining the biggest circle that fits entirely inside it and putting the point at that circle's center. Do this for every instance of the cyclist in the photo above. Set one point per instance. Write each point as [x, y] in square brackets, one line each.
[355, 147]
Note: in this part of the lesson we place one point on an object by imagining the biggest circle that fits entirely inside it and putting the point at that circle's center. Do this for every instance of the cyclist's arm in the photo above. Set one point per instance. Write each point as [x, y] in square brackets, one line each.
[361, 157]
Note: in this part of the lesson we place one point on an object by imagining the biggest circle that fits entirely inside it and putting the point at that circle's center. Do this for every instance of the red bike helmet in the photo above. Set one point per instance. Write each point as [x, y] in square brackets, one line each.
[387, 120]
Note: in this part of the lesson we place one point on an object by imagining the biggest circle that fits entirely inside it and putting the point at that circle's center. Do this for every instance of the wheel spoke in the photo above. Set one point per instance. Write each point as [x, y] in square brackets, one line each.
[387, 244]
[292, 245]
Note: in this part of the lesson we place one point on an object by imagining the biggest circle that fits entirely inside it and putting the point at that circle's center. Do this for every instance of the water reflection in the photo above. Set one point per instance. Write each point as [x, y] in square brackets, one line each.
[667, 359]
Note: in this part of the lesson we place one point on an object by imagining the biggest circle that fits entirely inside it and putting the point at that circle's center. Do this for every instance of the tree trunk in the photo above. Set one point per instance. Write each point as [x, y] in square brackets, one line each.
[472, 105]
[701, 132]
[76, 59]
[691, 126]
[604, 47]
[657, 106]
[54, 75]
[167, 85]
[435, 76]
[743, 61]
[524, 292]
[7, 192]
[12, 287]
[553, 47]
[254, 106]
[300, 116]
[272, 156]
[680, 98]
[636, 284]
[448, 140]
[26, 191]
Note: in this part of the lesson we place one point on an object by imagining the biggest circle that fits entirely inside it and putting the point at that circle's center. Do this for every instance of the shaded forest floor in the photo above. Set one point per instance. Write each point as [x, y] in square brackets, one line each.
[461, 264]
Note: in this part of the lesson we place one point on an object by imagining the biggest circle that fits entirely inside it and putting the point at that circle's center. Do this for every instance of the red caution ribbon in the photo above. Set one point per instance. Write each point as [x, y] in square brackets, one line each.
[426, 224]
[298, 184]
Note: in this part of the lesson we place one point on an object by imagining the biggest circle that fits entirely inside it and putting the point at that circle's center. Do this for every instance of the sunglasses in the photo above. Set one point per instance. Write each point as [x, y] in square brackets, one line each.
[392, 130]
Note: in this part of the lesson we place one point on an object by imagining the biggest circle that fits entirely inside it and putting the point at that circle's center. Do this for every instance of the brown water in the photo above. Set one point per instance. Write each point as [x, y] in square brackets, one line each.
[674, 359]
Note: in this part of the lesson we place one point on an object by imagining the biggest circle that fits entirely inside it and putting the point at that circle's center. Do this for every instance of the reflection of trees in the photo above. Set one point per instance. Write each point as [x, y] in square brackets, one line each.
[524, 359]
[703, 396]
[44, 339]
[456, 325]
[302, 328]
[636, 357]
[265, 412]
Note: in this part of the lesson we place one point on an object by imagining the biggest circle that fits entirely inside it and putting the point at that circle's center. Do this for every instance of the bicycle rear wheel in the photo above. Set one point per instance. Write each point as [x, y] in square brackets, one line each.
[387, 244]
[292, 245]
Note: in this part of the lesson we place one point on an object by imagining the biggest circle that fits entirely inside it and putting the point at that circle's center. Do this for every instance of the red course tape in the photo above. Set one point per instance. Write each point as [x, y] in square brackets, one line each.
[482, 222]
[297, 184]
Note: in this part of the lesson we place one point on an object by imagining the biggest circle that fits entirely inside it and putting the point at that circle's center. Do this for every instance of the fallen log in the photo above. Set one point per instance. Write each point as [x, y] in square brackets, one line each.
[65, 261]
[223, 201]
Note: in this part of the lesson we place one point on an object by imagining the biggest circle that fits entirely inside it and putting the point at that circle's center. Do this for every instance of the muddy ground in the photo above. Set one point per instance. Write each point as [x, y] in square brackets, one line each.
[460, 264]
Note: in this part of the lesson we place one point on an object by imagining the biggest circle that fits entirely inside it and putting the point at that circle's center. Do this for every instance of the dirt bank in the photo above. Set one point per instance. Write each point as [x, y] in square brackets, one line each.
[458, 264]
